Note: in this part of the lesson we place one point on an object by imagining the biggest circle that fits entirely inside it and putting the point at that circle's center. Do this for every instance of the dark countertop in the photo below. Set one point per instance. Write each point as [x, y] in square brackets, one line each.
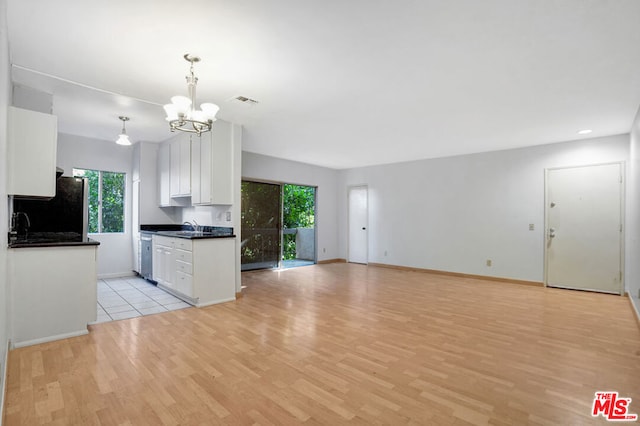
[50, 239]
[184, 231]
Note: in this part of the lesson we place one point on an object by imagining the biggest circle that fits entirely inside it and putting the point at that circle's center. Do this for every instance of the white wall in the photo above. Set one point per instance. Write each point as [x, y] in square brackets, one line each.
[261, 167]
[452, 214]
[632, 274]
[115, 250]
[5, 84]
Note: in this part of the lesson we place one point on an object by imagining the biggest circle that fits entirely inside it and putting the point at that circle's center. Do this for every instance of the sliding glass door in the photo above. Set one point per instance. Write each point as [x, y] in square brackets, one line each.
[278, 225]
[261, 225]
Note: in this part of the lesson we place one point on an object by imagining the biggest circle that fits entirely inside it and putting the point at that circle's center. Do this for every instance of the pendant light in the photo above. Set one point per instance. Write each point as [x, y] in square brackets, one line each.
[181, 112]
[123, 138]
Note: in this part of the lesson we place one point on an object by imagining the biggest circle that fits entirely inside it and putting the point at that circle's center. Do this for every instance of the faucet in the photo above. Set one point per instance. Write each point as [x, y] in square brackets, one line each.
[193, 224]
[15, 222]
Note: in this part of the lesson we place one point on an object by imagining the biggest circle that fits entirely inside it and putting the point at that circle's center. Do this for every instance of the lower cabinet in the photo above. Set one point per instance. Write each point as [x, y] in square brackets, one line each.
[199, 271]
[163, 270]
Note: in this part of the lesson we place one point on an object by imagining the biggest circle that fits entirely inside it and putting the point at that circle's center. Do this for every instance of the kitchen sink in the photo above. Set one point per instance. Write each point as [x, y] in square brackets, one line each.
[192, 233]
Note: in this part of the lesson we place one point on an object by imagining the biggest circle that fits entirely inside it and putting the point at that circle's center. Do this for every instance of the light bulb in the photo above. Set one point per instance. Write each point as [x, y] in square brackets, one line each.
[182, 104]
[210, 110]
[123, 139]
[172, 114]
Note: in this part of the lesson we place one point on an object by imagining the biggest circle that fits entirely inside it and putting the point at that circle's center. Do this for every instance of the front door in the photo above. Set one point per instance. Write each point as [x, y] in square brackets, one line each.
[584, 210]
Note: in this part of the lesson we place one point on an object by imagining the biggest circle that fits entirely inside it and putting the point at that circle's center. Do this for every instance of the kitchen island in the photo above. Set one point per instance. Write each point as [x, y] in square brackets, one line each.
[53, 288]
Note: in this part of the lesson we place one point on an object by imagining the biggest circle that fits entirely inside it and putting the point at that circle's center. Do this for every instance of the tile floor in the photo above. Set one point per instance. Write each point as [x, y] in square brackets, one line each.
[129, 297]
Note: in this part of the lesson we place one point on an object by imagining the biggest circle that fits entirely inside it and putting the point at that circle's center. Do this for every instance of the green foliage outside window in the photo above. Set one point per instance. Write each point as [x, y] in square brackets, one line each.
[298, 212]
[106, 200]
[112, 202]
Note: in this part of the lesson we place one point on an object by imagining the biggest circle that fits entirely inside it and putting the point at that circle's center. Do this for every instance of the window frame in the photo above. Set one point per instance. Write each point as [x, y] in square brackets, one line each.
[100, 203]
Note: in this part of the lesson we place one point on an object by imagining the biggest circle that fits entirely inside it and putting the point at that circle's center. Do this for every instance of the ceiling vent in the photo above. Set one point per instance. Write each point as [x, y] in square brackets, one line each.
[243, 100]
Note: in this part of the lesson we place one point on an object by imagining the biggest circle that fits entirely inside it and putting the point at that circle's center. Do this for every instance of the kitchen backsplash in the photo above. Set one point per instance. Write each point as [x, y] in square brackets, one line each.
[209, 215]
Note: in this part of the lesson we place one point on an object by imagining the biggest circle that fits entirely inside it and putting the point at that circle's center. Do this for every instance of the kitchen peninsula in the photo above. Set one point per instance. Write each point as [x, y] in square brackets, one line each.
[196, 266]
[53, 288]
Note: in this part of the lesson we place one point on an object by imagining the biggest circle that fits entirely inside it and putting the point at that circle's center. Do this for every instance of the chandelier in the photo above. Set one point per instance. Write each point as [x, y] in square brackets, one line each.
[181, 112]
[123, 138]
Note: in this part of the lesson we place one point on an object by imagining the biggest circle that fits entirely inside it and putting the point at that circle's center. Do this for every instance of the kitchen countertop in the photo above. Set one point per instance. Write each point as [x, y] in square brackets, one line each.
[50, 239]
[182, 231]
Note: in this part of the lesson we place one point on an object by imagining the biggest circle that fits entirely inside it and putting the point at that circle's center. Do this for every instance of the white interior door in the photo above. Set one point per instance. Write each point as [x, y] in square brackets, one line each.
[584, 208]
[358, 218]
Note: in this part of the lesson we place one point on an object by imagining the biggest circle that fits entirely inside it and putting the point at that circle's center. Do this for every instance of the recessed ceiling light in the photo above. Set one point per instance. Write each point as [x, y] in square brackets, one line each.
[584, 131]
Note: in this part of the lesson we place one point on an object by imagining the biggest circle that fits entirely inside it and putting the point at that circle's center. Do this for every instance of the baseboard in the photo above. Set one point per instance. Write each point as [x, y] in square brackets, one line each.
[215, 302]
[634, 307]
[458, 274]
[117, 275]
[5, 371]
[324, 262]
[51, 338]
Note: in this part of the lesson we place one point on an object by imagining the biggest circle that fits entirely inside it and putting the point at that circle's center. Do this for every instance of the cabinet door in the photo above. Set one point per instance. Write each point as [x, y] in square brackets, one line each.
[216, 173]
[32, 141]
[157, 263]
[196, 157]
[185, 165]
[205, 169]
[169, 268]
[222, 165]
[174, 162]
[164, 172]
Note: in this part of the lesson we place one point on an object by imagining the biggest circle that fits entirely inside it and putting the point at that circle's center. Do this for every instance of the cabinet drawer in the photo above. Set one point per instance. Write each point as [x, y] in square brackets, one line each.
[164, 241]
[184, 267]
[184, 284]
[183, 244]
[182, 255]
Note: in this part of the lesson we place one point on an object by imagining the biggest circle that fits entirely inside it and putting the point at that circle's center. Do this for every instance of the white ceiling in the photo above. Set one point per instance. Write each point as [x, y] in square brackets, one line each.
[340, 83]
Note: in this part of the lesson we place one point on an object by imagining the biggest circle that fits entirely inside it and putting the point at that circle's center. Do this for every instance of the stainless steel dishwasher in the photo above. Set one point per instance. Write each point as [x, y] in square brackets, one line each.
[146, 257]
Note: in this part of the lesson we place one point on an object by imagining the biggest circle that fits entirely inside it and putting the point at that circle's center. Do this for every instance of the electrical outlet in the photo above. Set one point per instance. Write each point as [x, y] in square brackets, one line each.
[489, 262]
[324, 250]
[385, 252]
[532, 227]
[228, 216]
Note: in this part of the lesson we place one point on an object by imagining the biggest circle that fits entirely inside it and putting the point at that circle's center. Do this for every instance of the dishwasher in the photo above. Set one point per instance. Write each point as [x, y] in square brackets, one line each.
[146, 257]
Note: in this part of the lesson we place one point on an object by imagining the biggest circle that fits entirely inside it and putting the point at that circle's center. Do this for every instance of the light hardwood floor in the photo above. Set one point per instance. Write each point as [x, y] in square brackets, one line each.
[341, 343]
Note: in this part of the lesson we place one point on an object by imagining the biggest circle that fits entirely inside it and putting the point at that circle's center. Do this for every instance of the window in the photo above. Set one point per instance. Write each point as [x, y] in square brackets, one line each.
[106, 200]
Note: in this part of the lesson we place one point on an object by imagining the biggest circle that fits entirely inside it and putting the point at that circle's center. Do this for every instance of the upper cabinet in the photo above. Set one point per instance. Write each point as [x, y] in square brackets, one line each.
[212, 166]
[198, 170]
[31, 153]
[174, 171]
[180, 161]
[164, 170]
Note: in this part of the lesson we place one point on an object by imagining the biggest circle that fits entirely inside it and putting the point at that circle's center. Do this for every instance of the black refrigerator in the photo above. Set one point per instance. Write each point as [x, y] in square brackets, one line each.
[64, 216]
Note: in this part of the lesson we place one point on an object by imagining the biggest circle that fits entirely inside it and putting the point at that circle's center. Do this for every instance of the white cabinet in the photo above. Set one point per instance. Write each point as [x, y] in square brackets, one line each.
[164, 175]
[163, 260]
[32, 140]
[180, 165]
[200, 271]
[212, 166]
[54, 292]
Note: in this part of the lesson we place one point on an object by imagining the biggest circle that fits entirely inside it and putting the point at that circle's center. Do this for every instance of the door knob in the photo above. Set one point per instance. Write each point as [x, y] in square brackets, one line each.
[552, 232]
